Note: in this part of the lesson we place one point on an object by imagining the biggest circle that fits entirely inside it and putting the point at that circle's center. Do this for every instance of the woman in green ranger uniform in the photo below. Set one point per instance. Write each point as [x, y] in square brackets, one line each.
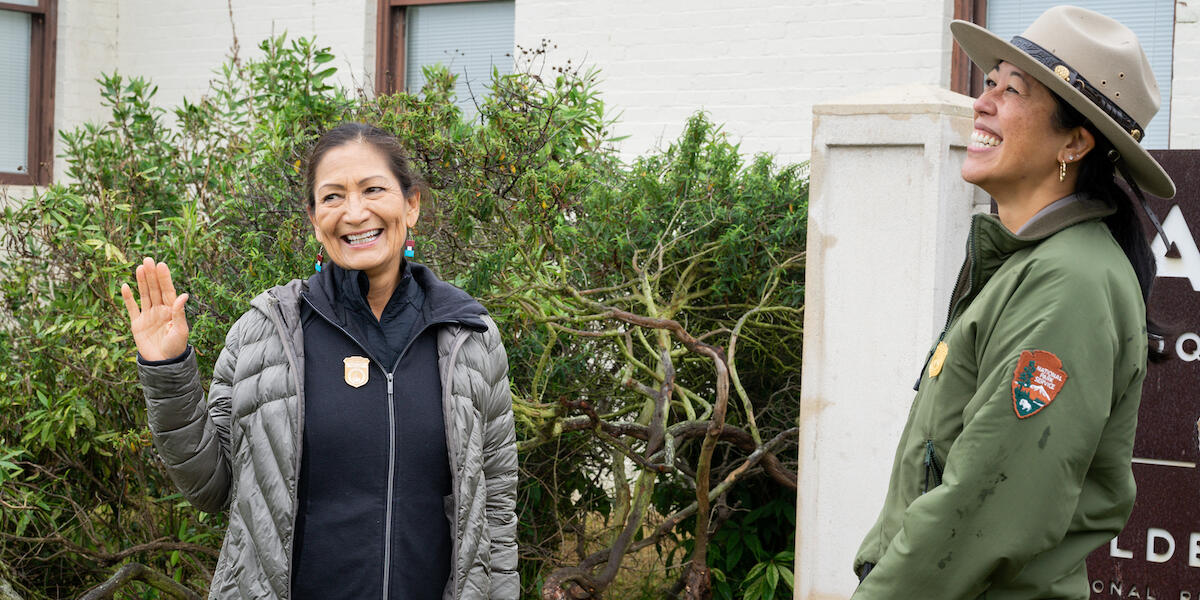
[1015, 461]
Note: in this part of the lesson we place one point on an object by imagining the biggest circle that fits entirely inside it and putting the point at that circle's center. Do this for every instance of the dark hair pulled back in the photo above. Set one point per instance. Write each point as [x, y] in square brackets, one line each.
[1097, 178]
[346, 133]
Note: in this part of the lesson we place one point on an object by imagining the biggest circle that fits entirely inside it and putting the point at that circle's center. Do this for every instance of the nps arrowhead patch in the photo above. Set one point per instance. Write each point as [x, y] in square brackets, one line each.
[1036, 381]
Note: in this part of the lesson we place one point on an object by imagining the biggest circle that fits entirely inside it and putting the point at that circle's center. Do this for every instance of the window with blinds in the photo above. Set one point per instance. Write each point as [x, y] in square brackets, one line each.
[27, 91]
[470, 38]
[1153, 21]
[15, 45]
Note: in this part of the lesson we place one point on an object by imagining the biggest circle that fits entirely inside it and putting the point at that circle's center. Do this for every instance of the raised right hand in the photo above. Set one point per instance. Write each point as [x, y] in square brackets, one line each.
[159, 327]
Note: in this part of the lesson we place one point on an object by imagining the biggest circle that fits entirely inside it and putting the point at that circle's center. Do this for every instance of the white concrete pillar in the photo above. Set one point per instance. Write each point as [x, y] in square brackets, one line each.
[888, 220]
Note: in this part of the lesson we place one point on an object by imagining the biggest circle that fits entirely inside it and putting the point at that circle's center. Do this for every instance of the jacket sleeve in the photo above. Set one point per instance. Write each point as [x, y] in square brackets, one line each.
[500, 469]
[193, 437]
[1011, 485]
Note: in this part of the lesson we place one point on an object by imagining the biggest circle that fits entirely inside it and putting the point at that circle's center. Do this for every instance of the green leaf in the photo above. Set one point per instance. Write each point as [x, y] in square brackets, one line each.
[786, 576]
[755, 546]
[23, 522]
[733, 552]
[771, 577]
[756, 571]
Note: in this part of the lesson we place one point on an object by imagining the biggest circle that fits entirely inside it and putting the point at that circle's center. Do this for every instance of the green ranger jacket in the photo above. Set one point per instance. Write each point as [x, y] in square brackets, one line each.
[1015, 461]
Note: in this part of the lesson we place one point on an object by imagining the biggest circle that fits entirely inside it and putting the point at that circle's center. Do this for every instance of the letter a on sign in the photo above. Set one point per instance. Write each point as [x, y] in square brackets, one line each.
[1188, 263]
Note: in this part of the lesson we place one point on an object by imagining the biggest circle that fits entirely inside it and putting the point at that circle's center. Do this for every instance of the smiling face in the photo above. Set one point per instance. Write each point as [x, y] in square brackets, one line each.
[1015, 147]
[360, 214]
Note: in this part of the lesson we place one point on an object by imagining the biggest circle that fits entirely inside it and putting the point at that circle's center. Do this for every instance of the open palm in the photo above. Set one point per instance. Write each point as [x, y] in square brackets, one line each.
[159, 326]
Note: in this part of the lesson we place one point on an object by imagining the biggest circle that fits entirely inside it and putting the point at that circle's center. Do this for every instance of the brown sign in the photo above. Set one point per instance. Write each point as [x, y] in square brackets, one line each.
[1157, 555]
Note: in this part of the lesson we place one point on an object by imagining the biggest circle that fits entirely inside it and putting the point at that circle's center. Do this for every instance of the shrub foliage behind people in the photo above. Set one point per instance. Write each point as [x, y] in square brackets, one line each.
[652, 312]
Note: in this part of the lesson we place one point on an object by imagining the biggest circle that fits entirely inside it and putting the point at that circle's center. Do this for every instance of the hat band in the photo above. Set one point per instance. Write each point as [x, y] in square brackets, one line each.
[1077, 81]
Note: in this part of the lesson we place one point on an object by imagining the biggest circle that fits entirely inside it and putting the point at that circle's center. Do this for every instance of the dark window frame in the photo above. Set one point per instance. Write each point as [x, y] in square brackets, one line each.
[965, 77]
[390, 43]
[43, 42]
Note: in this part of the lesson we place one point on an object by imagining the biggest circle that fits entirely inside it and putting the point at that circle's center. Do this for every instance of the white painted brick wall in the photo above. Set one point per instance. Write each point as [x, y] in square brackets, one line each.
[757, 66]
[178, 43]
[87, 47]
[1185, 84]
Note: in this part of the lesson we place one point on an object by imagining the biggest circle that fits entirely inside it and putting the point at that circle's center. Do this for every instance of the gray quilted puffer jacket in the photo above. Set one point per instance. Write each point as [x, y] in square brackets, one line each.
[241, 449]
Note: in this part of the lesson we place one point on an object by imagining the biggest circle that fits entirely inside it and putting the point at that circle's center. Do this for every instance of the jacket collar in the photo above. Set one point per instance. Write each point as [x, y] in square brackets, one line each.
[341, 294]
[444, 303]
[990, 243]
[1071, 210]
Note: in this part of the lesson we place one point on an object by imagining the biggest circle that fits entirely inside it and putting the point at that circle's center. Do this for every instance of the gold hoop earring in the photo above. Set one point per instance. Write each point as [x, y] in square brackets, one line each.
[1062, 171]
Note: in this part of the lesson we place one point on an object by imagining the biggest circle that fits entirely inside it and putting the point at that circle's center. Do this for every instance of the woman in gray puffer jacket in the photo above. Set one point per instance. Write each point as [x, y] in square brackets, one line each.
[358, 427]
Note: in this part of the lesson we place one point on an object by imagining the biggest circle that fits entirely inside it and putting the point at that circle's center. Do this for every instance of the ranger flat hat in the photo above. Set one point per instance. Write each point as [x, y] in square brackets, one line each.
[1093, 63]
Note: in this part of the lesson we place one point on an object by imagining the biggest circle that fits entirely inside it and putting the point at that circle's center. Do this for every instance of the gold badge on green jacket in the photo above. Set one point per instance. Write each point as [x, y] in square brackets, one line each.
[358, 369]
[938, 359]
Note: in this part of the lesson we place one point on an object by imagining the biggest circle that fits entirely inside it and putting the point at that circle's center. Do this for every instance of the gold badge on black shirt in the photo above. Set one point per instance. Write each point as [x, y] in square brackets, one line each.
[357, 370]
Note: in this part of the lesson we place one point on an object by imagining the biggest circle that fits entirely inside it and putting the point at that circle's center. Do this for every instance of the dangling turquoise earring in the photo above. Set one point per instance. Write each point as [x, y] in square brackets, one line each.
[320, 259]
[410, 246]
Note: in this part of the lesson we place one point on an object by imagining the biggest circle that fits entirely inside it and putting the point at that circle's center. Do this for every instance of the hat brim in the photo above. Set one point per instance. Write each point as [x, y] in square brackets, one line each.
[987, 50]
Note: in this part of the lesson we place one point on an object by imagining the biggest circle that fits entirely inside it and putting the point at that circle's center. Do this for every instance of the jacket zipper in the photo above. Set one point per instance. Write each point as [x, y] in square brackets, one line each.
[955, 299]
[928, 357]
[387, 528]
[934, 467]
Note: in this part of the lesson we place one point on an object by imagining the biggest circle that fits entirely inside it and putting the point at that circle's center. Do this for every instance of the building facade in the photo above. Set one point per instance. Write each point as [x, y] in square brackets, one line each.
[758, 66]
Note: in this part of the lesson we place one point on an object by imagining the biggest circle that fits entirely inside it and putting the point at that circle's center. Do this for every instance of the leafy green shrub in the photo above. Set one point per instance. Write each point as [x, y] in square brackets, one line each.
[592, 265]
[214, 196]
